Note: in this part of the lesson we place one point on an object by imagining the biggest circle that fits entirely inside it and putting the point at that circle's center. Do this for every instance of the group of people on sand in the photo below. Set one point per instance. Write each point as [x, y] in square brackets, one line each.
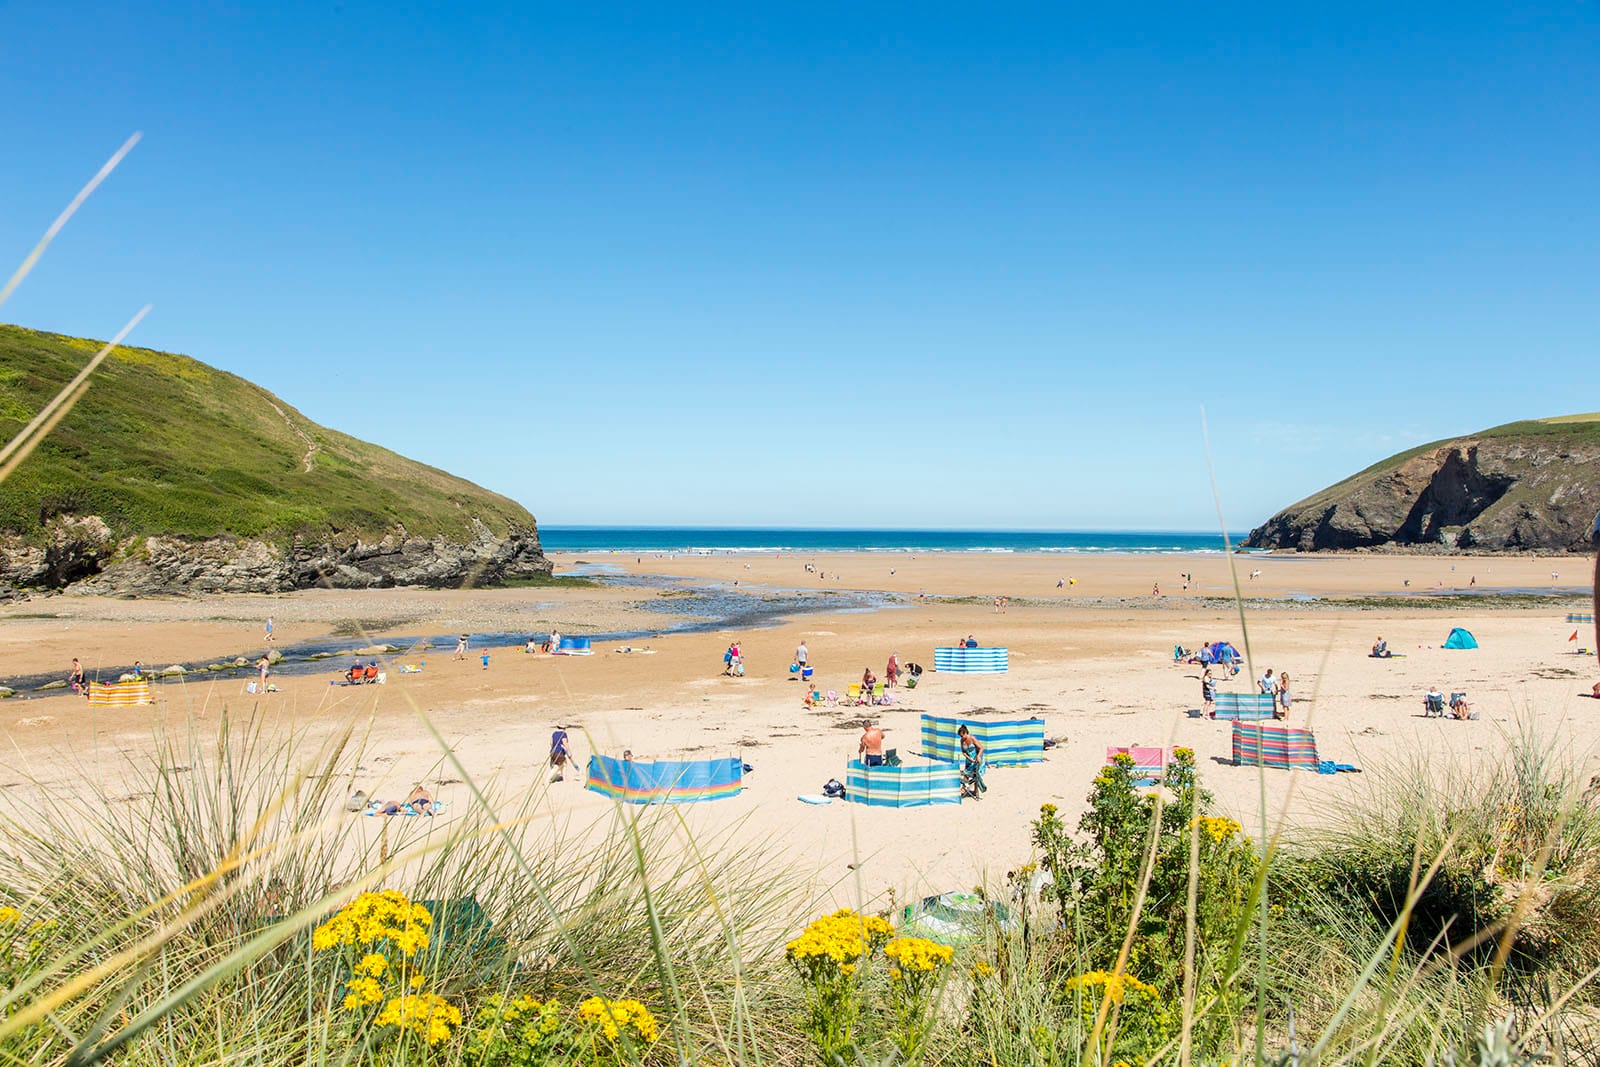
[1433, 704]
[870, 751]
[733, 661]
[1277, 687]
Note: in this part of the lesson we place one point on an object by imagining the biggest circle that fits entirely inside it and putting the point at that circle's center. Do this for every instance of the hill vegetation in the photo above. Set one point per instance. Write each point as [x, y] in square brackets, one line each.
[165, 446]
[1532, 485]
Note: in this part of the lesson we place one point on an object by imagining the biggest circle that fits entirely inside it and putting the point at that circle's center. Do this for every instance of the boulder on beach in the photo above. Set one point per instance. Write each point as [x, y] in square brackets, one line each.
[58, 684]
[376, 650]
[174, 670]
[6, 693]
[240, 661]
[274, 656]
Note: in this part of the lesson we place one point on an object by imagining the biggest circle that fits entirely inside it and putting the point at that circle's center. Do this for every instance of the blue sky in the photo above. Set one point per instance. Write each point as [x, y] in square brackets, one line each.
[912, 265]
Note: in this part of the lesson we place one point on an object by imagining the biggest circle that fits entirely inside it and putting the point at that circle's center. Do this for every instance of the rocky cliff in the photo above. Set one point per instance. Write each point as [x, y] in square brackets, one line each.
[1525, 486]
[171, 476]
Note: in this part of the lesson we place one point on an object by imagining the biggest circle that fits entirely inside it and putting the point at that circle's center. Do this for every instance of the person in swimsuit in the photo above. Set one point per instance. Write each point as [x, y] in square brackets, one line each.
[871, 747]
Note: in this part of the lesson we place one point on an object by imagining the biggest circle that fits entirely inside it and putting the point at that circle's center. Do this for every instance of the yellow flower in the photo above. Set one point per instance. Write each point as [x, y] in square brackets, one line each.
[981, 969]
[919, 954]
[427, 1015]
[1047, 810]
[418, 981]
[372, 963]
[1115, 986]
[374, 918]
[362, 991]
[9, 915]
[616, 1017]
[835, 940]
[1217, 829]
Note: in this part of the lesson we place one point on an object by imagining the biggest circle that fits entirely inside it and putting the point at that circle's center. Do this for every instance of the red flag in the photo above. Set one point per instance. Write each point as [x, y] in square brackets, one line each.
[1574, 636]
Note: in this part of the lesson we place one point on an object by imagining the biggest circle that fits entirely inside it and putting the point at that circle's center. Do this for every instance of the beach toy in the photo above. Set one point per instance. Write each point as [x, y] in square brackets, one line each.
[813, 798]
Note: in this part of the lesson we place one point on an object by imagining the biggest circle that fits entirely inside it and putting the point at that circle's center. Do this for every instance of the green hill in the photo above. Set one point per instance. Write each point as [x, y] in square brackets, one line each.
[1532, 485]
[164, 446]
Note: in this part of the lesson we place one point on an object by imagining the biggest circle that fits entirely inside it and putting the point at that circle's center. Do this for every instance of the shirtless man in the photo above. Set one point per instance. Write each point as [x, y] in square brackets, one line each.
[871, 747]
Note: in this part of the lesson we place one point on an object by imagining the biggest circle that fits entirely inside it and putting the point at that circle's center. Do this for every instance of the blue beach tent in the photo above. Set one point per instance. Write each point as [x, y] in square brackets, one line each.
[1459, 638]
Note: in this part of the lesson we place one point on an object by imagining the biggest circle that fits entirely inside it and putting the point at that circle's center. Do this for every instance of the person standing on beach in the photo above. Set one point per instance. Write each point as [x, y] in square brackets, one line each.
[1208, 693]
[559, 752]
[871, 747]
[461, 647]
[486, 659]
[76, 680]
[891, 673]
[1283, 696]
[801, 655]
[269, 629]
[264, 666]
[1266, 683]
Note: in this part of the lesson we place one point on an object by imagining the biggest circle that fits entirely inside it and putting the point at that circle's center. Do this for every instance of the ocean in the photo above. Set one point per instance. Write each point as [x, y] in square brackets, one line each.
[705, 540]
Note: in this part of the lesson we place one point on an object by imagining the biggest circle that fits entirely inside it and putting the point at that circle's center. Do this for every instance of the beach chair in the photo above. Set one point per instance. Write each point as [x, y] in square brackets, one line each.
[1148, 762]
[1433, 704]
[832, 699]
[877, 693]
[1244, 707]
[853, 694]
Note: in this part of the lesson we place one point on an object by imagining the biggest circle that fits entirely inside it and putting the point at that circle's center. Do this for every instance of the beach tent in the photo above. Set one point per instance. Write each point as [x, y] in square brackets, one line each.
[1460, 638]
[1011, 743]
[971, 660]
[574, 646]
[906, 786]
[665, 781]
[954, 918]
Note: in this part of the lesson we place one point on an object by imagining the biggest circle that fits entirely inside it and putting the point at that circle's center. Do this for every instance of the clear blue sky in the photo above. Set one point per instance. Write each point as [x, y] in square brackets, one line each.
[975, 266]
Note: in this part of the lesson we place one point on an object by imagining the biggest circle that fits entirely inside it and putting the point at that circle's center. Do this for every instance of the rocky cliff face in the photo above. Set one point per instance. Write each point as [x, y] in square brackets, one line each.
[80, 555]
[1500, 492]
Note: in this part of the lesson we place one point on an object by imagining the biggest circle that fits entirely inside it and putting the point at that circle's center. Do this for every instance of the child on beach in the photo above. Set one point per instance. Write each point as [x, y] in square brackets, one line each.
[1208, 692]
[485, 659]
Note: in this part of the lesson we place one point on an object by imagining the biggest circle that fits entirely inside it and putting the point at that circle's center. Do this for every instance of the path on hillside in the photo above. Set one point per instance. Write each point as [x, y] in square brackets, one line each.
[311, 446]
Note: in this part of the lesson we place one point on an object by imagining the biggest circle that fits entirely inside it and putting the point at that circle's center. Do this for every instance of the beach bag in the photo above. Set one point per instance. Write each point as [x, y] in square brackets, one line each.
[738, 668]
[794, 668]
[911, 682]
[834, 789]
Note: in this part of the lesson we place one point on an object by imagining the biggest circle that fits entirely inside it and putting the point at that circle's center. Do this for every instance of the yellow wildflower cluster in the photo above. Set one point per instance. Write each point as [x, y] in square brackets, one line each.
[615, 1017]
[981, 969]
[842, 938]
[428, 1015]
[362, 992]
[1217, 828]
[373, 963]
[373, 918]
[9, 915]
[1182, 753]
[1047, 810]
[918, 954]
[1115, 986]
[542, 1015]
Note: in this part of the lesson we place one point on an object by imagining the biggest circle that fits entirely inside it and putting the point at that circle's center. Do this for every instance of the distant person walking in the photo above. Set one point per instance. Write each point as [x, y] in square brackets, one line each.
[1208, 693]
[76, 678]
[269, 629]
[560, 754]
[802, 655]
[486, 659]
[461, 647]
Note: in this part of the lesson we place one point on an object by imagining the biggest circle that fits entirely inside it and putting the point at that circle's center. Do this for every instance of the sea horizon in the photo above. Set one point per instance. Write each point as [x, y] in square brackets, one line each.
[706, 540]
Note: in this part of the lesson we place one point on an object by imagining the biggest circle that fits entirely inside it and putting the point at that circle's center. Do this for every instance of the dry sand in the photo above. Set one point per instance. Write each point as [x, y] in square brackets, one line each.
[1093, 659]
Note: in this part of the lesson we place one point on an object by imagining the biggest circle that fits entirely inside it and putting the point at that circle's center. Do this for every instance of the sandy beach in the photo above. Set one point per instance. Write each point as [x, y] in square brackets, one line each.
[1093, 658]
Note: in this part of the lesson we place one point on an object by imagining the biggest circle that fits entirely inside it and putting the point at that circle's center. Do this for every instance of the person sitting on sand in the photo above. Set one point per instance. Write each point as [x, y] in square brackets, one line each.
[868, 680]
[871, 748]
[813, 697]
[353, 675]
[370, 675]
[1381, 649]
[1433, 701]
[1459, 706]
[970, 642]
[560, 754]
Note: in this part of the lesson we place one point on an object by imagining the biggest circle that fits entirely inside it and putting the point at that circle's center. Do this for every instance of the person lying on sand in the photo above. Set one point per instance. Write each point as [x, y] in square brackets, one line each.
[419, 801]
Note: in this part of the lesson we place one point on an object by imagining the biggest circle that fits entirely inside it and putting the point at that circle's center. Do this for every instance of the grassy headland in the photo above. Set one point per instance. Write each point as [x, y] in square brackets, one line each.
[164, 445]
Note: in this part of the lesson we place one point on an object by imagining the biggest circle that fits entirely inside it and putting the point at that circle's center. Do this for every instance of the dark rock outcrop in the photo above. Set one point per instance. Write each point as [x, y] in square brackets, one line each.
[1501, 491]
[82, 557]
